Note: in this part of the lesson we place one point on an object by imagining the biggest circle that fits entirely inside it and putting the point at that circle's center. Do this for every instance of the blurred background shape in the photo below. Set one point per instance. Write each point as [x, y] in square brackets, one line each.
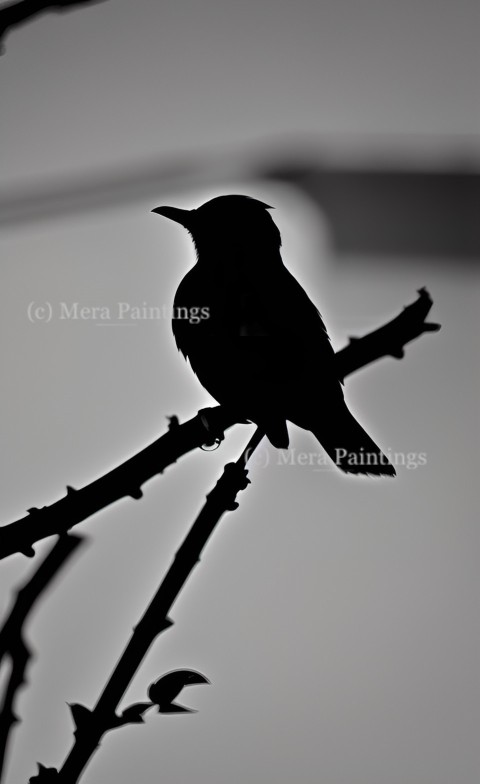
[377, 211]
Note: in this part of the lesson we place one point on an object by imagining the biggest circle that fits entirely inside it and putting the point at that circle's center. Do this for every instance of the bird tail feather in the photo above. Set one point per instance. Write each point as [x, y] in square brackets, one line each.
[351, 448]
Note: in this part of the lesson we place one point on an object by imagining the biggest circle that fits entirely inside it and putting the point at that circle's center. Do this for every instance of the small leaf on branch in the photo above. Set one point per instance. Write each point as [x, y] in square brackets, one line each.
[134, 713]
[169, 686]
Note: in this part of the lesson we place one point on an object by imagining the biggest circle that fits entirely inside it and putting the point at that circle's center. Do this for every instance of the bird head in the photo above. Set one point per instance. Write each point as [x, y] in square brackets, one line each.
[224, 218]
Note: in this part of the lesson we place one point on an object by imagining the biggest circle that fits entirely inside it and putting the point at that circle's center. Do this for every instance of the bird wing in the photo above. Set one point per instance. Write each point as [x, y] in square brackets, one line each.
[264, 346]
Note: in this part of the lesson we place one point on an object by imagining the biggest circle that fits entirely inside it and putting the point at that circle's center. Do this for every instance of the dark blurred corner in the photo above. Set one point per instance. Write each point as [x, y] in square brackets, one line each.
[16, 14]
[379, 211]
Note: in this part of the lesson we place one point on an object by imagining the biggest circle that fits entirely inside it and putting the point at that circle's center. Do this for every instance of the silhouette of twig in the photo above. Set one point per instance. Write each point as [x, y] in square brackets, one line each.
[123, 481]
[12, 640]
[389, 340]
[126, 479]
[90, 726]
[16, 14]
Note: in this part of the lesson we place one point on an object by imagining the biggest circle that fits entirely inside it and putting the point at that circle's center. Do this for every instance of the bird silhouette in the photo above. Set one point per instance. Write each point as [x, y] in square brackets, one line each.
[256, 341]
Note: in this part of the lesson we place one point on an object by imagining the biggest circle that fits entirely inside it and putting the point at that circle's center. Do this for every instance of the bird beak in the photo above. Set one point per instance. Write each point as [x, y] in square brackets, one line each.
[176, 214]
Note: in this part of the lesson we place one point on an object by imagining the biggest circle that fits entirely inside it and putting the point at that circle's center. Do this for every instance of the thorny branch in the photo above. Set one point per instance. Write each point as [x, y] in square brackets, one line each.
[91, 725]
[126, 480]
[12, 639]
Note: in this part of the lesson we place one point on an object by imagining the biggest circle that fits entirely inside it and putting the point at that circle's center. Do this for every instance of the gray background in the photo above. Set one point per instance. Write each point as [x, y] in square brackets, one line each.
[337, 618]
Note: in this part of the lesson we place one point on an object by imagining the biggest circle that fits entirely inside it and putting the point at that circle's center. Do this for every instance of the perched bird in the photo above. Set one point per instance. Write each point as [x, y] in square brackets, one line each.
[259, 345]
[169, 686]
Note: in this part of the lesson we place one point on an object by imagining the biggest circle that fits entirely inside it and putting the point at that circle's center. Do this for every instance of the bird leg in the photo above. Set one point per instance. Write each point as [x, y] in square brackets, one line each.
[250, 448]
